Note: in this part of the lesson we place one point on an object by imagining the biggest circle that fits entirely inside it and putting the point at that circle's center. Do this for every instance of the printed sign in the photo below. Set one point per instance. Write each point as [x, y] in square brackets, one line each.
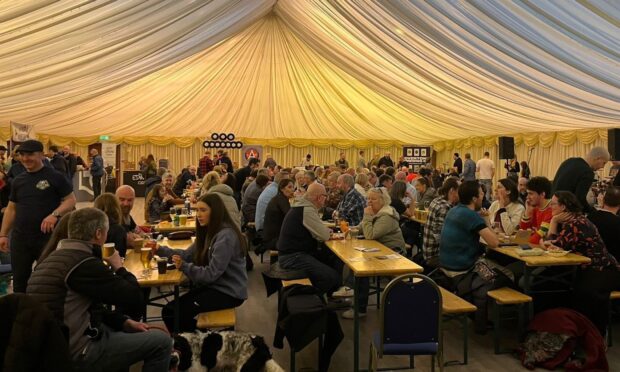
[251, 151]
[416, 156]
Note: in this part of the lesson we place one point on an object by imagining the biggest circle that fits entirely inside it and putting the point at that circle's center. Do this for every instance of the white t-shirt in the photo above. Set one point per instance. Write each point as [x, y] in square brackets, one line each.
[486, 167]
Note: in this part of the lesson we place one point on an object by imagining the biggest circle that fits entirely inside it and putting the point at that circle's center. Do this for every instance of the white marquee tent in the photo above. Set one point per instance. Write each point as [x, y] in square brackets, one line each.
[309, 70]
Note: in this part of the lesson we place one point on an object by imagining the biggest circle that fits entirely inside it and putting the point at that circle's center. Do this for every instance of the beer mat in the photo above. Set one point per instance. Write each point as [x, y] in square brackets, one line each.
[367, 250]
[388, 257]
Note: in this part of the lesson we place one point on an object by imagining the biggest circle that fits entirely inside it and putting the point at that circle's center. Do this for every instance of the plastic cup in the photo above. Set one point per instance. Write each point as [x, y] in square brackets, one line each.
[183, 219]
[107, 250]
[162, 266]
[138, 243]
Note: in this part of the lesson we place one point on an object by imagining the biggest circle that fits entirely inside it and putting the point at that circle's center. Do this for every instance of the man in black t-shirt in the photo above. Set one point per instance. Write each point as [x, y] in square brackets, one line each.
[39, 197]
[126, 195]
[607, 220]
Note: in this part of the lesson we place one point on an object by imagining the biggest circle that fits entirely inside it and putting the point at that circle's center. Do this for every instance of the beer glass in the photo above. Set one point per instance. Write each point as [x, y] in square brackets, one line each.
[108, 250]
[146, 254]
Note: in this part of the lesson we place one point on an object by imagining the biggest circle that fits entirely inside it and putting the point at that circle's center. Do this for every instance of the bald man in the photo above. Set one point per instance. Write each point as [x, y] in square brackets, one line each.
[126, 196]
[577, 175]
[300, 244]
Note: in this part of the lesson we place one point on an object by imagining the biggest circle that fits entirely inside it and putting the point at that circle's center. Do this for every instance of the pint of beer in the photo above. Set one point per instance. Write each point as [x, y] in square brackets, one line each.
[107, 250]
[146, 254]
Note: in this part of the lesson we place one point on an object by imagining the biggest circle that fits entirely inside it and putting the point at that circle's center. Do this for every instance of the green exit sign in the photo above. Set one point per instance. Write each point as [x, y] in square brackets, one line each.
[104, 138]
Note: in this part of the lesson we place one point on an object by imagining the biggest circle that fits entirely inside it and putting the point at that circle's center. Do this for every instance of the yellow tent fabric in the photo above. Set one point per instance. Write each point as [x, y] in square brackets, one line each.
[310, 73]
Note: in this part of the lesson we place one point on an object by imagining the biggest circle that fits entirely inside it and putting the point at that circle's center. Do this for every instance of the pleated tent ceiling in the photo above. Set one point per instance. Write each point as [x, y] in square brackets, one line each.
[417, 72]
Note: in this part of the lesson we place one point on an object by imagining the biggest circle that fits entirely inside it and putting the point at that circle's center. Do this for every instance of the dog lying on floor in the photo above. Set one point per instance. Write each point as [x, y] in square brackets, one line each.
[225, 351]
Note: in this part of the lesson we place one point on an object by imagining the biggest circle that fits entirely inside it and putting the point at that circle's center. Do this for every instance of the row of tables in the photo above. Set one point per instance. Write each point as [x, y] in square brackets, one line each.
[362, 264]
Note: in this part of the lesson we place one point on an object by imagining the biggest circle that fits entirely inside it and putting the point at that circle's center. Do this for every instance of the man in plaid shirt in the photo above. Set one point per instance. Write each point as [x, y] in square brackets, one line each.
[351, 208]
[437, 212]
[205, 165]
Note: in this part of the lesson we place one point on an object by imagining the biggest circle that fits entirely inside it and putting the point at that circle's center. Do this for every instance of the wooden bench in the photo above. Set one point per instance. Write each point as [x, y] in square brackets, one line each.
[217, 319]
[454, 307]
[507, 297]
[273, 256]
[613, 296]
[304, 281]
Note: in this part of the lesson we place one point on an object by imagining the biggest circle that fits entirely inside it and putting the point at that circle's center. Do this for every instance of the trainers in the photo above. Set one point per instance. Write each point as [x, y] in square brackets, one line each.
[343, 292]
[350, 315]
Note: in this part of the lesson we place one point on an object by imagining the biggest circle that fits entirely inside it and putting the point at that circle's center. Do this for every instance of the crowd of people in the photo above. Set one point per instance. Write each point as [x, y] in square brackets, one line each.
[286, 208]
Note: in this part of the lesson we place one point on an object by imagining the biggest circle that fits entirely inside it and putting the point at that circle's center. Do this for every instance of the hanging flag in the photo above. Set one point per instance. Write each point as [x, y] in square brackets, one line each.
[21, 132]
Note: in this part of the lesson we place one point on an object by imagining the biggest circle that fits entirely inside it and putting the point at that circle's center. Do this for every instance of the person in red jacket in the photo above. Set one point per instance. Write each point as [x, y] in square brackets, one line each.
[537, 216]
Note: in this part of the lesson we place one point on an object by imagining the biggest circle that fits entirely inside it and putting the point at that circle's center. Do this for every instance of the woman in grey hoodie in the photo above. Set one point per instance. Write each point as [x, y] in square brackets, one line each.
[215, 263]
[228, 197]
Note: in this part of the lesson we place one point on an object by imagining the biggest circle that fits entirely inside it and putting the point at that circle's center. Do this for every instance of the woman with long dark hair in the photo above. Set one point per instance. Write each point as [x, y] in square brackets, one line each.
[215, 264]
[505, 213]
[572, 231]
[277, 208]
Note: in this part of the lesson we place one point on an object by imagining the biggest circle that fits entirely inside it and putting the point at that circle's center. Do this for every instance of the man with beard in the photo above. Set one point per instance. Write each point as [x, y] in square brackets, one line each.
[126, 196]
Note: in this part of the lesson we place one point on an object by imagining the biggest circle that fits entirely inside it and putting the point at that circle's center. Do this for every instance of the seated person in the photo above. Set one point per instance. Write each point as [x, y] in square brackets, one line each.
[300, 247]
[277, 208]
[572, 231]
[351, 207]
[160, 202]
[607, 220]
[74, 283]
[126, 197]
[537, 214]
[380, 223]
[184, 180]
[334, 194]
[386, 181]
[437, 211]
[506, 211]
[425, 193]
[250, 197]
[265, 197]
[460, 248]
[108, 203]
[214, 263]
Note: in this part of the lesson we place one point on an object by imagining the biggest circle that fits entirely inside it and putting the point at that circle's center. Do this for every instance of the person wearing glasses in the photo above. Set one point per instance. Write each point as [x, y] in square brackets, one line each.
[300, 244]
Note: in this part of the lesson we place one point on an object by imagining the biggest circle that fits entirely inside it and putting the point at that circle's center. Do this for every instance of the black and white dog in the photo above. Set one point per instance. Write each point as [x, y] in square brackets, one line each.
[224, 352]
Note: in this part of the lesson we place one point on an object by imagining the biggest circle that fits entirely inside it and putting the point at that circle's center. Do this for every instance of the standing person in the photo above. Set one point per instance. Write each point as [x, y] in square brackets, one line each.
[486, 170]
[58, 161]
[342, 162]
[525, 169]
[214, 263]
[96, 171]
[269, 162]
[4, 163]
[39, 197]
[75, 283]
[205, 164]
[361, 160]
[577, 175]
[469, 169]
[386, 161]
[71, 161]
[512, 169]
[458, 163]
[307, 162]
[150, 167]
[224, 159]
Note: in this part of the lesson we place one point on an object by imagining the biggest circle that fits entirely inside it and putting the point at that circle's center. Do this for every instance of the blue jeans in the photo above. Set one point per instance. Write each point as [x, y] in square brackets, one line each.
[488, 184]
[362, 290]
[323, 268]
[117, 351]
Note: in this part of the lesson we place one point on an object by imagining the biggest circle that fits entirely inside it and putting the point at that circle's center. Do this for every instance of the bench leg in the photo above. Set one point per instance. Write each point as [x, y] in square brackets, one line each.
[378, 278]
[497, 328]
[292, 357]
[610, 337]
[465, 338]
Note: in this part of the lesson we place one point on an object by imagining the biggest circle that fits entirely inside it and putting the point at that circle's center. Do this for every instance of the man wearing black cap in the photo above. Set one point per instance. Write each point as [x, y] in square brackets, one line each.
[39, 197]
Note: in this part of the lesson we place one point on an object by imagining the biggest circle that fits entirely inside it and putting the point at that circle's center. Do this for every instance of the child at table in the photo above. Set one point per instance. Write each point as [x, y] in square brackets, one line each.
[158, 203]
[215, 264]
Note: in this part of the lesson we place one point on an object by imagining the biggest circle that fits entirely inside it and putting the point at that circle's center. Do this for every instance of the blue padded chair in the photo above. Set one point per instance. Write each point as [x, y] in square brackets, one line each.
[410, 321]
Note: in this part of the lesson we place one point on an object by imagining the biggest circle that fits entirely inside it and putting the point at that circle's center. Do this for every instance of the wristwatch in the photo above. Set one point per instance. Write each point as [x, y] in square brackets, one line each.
[56, 214]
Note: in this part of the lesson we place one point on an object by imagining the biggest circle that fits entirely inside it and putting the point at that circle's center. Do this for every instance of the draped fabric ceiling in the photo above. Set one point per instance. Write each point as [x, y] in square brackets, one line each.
[308, 72]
